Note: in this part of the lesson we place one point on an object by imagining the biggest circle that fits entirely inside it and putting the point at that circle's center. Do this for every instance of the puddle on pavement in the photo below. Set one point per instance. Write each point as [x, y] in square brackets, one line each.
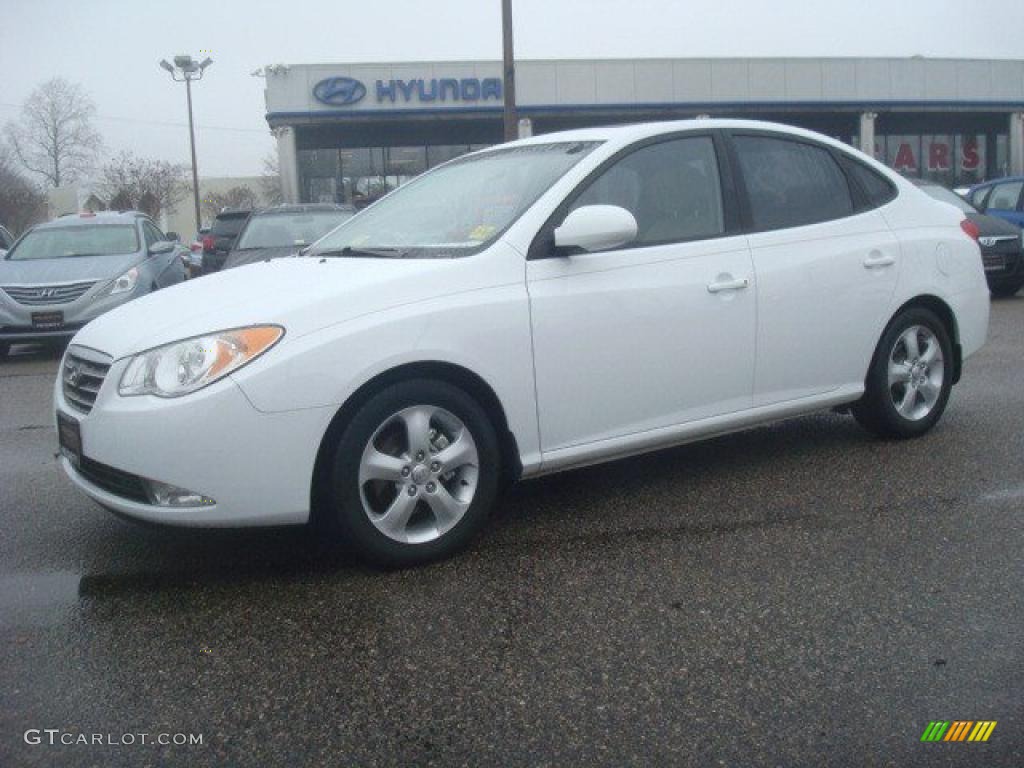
[37, 599]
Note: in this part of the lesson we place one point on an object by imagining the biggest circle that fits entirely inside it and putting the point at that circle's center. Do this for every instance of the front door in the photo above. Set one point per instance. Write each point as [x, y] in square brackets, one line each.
[655, 333]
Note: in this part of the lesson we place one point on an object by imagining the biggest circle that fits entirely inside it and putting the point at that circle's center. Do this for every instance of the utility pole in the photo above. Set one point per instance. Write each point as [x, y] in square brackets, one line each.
[186, 69]
[509, 64]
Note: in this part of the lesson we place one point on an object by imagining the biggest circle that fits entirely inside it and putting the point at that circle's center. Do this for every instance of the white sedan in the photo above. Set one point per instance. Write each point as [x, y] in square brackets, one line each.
[540, 305]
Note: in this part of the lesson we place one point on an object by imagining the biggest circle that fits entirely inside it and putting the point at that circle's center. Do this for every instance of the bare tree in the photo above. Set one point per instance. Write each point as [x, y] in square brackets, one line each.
[236, 197]
[54, 137]
[151, 186]
[22, 204]
[270, 182]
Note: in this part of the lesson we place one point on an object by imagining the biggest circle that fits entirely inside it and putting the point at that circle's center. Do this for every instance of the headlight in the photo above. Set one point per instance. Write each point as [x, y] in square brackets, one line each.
[125, 282]
[177, 369]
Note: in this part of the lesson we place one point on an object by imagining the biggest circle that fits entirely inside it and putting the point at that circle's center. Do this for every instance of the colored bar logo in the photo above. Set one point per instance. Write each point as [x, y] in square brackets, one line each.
[958, 730]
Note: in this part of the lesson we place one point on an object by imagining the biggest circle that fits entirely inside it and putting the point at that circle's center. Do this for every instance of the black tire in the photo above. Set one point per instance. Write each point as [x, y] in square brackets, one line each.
[876, 411]
[5, 348]
[344, 519]
[1006, 290]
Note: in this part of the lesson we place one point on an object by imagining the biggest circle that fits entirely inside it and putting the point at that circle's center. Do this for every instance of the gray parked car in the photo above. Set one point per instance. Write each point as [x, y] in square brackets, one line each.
[284, 230]
[60, 275]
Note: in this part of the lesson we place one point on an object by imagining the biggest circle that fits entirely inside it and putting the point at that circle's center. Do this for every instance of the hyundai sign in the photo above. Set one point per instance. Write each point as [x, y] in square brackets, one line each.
[339, 91]
[344, 91]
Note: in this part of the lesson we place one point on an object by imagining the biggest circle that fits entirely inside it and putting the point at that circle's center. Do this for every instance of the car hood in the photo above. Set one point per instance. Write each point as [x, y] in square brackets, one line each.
[255, 255]
[66, 270]
[301, 294]
[993, 226]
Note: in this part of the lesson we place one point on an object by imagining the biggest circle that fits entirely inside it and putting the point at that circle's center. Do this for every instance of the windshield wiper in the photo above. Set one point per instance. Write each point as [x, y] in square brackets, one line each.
[359, 253]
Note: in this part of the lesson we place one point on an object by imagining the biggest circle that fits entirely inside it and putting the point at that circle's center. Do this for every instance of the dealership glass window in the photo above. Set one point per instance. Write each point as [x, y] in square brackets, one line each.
[951, 160]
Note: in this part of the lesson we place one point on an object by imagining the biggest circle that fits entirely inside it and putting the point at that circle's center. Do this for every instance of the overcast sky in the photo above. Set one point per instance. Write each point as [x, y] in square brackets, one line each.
[112, 47]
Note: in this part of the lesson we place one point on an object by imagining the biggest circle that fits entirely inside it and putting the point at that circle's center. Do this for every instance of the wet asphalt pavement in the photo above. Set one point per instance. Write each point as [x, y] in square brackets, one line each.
[798, 595]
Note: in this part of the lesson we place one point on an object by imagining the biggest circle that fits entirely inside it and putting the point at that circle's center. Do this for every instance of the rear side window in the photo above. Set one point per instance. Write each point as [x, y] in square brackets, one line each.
[671, 188]
[1004, 197]
[791, 184]
[876, 188]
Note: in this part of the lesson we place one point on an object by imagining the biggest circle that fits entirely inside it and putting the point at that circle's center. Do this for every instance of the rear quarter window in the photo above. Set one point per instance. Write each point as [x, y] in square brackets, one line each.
[876, 189]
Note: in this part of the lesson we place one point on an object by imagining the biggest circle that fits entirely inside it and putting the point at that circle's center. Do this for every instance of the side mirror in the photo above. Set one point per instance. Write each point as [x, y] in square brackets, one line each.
[173, 236]
[596, 228]
[161, 246]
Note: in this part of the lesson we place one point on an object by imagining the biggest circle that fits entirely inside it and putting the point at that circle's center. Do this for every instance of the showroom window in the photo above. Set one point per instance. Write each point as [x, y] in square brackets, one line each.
[671, 188]
[359, 175]
[791, 184]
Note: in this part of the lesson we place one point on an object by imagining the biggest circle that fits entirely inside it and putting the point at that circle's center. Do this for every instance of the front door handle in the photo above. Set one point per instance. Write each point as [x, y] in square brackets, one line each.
[728, 284]
[878, 259]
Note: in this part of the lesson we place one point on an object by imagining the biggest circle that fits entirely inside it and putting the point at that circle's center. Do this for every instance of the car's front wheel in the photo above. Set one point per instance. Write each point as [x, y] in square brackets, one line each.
[910, 378]
[415, 474]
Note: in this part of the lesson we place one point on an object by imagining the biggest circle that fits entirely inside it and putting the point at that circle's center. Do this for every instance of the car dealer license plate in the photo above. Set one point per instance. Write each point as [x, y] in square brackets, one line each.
[69, 436]
[47, 321]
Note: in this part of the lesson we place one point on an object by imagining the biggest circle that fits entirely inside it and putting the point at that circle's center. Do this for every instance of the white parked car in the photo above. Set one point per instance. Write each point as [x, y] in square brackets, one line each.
[540, 305]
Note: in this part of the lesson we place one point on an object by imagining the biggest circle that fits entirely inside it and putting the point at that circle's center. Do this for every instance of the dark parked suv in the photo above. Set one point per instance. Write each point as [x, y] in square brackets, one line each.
[1000, 241]
[221, 239]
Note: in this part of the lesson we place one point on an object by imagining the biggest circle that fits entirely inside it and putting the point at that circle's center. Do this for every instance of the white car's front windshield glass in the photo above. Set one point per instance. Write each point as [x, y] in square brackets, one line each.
[458, 207]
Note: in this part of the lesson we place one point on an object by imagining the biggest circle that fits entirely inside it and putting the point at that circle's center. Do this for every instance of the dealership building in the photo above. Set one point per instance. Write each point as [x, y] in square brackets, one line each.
[349, 132]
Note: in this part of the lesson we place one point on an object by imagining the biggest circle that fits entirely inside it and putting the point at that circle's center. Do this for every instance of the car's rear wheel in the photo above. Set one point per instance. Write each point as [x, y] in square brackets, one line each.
[911, 375]
[415, 474]
[1008, 289]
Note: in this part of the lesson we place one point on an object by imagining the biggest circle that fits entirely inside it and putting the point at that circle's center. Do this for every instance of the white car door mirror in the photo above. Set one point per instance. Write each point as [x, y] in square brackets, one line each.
[596, 228]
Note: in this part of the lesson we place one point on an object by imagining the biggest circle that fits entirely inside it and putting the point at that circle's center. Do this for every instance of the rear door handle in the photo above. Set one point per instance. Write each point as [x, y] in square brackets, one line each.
[876, 259]
[737, 284]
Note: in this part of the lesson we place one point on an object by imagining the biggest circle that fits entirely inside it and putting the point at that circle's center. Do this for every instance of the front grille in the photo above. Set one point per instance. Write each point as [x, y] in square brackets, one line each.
[123, 484]
[82, 375]
[47, 295]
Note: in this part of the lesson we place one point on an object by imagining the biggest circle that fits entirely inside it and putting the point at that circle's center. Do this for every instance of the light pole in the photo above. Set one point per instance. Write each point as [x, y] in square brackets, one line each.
[509, 66]
[186, 69]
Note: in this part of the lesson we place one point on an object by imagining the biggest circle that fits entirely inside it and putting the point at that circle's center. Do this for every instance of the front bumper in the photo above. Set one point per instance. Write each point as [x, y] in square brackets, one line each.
[16, 324]
[256, 466]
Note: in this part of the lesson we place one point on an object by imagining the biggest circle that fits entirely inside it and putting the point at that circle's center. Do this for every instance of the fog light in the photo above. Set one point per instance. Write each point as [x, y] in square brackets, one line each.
[164, 495]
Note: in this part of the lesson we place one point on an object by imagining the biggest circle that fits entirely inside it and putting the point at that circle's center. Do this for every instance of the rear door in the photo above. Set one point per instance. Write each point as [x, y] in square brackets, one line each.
[655, 333]
[1004, 201]
[826, 266]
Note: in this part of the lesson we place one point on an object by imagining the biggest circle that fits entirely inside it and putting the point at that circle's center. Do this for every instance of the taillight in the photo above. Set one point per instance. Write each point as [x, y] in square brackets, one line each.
[970, 229]
[196, 247]
[207, 242]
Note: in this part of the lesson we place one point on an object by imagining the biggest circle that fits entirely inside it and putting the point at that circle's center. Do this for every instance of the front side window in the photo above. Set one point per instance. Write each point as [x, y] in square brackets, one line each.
[672, 189]
[457, 208]
[1004, 197]
[67, 242]
[790, 183]
[286, 230]
[151, 233]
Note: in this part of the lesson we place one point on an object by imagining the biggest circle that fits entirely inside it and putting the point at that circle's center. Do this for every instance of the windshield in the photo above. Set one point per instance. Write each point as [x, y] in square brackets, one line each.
[949, 196]
[462, 205]
[229, 226]
[67, 242]
[282, 230]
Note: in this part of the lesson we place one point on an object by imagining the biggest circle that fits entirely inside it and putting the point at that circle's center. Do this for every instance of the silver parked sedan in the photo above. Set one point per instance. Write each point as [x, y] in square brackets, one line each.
[60, 275]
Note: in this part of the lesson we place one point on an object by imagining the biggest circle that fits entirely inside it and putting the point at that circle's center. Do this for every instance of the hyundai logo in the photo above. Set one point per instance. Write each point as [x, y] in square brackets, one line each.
[74, 374]
[339, 91]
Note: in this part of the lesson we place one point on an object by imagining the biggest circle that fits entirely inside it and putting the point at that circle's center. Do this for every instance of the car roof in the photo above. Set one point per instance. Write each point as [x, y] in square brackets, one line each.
[990, 182]
[626, 134]
[93, 219]
[304, 208]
